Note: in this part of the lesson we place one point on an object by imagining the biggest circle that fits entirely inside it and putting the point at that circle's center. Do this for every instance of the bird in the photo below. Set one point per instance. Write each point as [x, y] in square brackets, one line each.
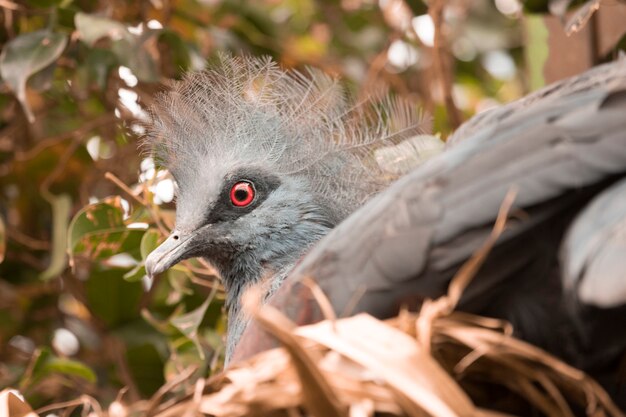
[278, 182]
[266, 161]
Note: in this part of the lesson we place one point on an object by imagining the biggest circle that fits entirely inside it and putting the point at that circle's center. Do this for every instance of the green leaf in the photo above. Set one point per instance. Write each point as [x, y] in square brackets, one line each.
[179, 278]
[146, 350]
[46, 363]
[47, 3]
[133, 53]
[26, 55]
[418, 7]
[111, 298]
[92, 28]
[98, 231]
[71, 367]
[177, 50]
[61, 207]
[146, 367]
[186, 356]
[536, 49]
[136, 273]
[130, 48]
[98, 64]
[149, 242]
[189, 323]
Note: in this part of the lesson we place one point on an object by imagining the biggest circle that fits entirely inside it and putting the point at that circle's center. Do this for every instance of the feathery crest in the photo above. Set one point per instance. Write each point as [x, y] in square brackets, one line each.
[246, 110]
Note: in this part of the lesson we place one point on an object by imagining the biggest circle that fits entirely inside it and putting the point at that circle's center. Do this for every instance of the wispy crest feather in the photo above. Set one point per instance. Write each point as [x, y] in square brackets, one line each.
[250, 110]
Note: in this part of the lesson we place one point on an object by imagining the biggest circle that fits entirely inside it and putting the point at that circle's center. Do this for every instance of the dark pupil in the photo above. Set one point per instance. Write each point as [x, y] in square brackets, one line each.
[241, 195]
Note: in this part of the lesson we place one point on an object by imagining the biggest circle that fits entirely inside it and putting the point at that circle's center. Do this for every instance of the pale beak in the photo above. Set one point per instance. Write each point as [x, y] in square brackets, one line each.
[173, 250]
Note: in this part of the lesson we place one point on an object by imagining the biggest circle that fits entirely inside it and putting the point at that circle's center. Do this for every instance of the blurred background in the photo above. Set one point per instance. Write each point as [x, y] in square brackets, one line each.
[81, 205]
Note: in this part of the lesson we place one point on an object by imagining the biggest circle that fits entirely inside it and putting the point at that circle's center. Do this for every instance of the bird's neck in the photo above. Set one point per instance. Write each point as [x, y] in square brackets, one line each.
[263, 264]
[247, 269]
[269, 281]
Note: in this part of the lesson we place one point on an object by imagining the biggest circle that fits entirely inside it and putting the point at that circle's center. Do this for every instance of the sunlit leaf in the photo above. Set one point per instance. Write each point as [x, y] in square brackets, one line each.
[61, 206]
[25, 55]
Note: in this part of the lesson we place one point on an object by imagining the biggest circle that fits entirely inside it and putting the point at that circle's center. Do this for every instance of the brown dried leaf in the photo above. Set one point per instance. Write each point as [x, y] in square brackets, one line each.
[12, 405]
[395, 358]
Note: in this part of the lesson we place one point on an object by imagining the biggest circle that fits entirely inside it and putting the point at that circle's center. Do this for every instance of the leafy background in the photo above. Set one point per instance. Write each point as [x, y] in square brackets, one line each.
[81, 206]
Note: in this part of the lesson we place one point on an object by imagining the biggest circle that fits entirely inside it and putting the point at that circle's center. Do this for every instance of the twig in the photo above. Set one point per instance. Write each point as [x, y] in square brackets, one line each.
[469, 269]
[170, 385]
[120, 184]
[82, 400]
[594, 38]
[445, 304]
[322, 300]
[61, 165]
[53, 140]
[117, 353]
[441, 63]
[318, 397]
[157, 220]
[25, 240]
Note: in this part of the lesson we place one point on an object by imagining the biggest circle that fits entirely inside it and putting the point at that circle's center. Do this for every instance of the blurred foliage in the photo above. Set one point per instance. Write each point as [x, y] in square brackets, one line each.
[80, 207]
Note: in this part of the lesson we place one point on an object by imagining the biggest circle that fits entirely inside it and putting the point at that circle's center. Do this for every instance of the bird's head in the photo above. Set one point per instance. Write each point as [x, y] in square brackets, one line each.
[266, 162]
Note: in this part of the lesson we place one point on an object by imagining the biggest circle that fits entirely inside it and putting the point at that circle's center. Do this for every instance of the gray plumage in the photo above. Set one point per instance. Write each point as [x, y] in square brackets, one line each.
[306, 147]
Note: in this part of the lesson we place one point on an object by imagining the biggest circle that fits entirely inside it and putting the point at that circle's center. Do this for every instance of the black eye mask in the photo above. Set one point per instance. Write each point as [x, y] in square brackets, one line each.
[224, 210]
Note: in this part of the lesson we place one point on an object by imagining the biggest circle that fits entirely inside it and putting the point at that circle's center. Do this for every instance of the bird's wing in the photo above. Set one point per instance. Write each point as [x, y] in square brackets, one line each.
[411, 237]
[594, 251]
[594, 277]
[491, 118]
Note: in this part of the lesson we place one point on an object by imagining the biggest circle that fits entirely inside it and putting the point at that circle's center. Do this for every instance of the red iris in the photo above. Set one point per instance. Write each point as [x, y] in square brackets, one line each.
[242, 194]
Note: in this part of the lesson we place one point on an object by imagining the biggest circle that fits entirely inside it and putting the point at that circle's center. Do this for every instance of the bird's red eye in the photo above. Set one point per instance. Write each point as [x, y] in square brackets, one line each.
[242, 194]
